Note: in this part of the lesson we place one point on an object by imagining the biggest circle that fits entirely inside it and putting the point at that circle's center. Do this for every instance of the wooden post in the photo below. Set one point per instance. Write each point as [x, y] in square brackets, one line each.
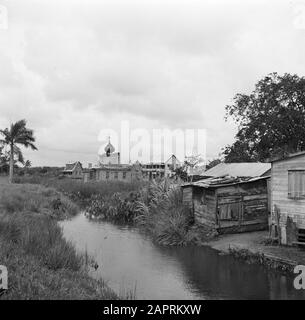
[216, 209]
[277, 220]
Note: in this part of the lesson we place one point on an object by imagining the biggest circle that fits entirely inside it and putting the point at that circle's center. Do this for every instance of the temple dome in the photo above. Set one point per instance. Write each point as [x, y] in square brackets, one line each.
[109, 148]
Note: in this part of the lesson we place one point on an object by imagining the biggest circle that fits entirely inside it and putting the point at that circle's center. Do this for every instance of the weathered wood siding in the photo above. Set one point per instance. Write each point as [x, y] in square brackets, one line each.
[249, 200]
[252, 198]
[187, 196]
[204, 206]
[294, 208]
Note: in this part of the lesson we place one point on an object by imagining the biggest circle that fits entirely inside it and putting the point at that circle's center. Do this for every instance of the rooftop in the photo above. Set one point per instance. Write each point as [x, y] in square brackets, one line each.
[240, 169]
[71, 166]
[216, 182]
[291, 155]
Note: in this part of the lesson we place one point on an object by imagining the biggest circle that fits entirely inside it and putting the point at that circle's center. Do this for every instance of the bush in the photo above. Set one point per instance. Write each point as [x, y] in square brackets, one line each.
[156, 208]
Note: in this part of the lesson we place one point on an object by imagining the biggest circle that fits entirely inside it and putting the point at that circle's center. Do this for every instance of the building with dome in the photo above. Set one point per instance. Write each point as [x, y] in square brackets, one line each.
[109, 168]
[110, 156]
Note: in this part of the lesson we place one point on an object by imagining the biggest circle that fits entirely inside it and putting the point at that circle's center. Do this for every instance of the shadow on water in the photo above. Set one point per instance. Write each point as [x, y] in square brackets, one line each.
[218, 275]
[128, 258]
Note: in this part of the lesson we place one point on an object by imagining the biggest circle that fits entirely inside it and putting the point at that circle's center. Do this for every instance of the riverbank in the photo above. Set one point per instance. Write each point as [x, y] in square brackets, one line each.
[41, 263]
[254, 247]
[157, 209]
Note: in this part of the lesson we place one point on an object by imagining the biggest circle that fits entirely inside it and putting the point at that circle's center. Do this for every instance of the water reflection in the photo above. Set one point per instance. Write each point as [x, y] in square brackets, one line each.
[128, 259]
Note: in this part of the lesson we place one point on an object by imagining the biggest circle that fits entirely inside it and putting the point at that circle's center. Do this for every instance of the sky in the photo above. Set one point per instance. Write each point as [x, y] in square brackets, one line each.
[74, 68]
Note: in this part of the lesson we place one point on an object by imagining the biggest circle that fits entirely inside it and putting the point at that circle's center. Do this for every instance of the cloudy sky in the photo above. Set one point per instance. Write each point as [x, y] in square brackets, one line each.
[72, 67]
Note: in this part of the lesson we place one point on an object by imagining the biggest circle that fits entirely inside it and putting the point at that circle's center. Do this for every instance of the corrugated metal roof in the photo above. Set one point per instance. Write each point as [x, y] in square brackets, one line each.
[242, 169]
[221, 182]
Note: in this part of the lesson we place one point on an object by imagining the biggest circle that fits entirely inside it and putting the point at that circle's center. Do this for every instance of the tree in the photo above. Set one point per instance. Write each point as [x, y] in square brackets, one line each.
[27, 164]
[5, 159]
[190, 163]
[271, 120]
[18, 134]
[181, 172]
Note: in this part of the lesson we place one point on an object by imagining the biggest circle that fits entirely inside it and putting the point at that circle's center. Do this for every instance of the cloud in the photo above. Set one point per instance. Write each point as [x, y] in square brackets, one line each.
[72, 69]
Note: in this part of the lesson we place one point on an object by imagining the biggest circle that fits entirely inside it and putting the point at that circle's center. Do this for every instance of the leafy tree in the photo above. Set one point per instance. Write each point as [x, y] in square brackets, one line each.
[5, 159]
[181, 172]
[27, 164]
[190, 163]
[17, 134]
[271, 120]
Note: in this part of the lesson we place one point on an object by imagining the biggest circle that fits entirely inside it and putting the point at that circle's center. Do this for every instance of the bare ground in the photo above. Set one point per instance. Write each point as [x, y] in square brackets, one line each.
[255, 242]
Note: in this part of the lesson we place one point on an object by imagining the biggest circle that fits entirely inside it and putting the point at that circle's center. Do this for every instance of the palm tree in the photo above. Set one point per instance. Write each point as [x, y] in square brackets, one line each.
[27, 164]
[18, 134]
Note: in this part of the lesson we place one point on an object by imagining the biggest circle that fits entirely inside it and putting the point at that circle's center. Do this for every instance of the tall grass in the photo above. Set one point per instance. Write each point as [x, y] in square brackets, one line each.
[156, 208]
[80, 191]
[41, 263]
[160, 210]
[41, 237]
[36, 199]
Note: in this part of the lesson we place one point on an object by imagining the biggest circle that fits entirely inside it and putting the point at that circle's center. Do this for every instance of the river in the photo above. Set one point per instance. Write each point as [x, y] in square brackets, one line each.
[128, 260]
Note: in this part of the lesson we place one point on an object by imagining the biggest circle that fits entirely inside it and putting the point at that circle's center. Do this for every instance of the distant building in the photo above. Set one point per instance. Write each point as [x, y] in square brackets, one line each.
[73, 170]
[165, 169]
[109, 157]
[288, 199]
[110, 168]
[120, 172]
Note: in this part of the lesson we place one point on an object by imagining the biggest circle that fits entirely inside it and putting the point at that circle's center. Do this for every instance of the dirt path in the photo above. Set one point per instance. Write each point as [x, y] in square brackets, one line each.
[255, 243]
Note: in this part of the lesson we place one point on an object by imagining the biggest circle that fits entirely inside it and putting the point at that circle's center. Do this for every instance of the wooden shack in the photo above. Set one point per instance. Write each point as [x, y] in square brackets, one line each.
[229, 204]
[288, 199]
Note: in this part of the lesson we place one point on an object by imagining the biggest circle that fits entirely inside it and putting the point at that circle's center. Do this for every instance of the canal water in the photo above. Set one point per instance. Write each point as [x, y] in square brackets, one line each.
[128, 260]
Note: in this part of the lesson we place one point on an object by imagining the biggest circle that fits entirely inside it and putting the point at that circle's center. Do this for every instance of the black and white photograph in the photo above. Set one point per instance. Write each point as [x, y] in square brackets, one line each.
[152, 150]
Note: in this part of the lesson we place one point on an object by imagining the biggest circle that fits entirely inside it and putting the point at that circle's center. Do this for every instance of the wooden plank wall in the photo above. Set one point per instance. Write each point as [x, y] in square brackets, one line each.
[187, 196]
[252, 197]
[204, 206]
[294, 208]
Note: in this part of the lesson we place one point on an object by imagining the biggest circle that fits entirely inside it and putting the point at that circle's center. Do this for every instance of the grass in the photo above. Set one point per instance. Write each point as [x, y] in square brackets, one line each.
[40, 262]
[80, 191]
[156, 208]
[36, 199]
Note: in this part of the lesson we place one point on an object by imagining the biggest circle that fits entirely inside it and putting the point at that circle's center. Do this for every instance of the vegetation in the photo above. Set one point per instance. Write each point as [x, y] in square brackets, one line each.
[41, 263]
[271, 120]
[156, 208]
[81, 192]
[17, 134]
